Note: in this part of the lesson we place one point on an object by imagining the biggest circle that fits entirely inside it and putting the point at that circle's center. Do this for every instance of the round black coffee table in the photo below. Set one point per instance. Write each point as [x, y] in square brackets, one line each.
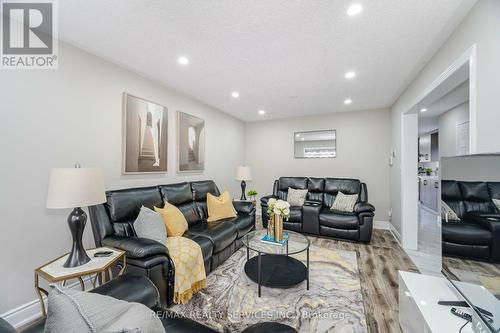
[273, 267]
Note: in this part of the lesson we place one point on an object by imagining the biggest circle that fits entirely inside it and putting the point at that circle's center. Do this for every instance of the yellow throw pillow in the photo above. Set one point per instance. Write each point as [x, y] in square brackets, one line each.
[220, 207]
[174, 220]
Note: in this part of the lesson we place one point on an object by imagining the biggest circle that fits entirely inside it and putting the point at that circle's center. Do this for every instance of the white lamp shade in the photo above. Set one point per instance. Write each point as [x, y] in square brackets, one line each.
[243, 173]
[75, 187]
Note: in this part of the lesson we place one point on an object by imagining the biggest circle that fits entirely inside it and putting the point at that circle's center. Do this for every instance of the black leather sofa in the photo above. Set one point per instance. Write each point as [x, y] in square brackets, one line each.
[316, 217]
[477, 235]
[130, 288]
[112, 225]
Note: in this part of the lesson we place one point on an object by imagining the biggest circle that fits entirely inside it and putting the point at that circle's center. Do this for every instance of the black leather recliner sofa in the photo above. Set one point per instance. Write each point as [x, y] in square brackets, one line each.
[112, 225]
[477, 235]
[315, 217]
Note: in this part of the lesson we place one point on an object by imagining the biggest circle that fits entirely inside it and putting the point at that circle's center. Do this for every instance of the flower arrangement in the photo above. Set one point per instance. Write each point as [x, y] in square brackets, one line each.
[278, 207]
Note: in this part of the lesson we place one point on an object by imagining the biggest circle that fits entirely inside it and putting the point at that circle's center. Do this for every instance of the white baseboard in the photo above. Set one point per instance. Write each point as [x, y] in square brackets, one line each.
[396, 234]
[384, 225]
[31, 311]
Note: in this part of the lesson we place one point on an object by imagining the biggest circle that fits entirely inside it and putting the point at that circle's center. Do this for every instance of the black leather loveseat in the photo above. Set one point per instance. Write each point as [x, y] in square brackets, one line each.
[112, 225]
[316, 217]
[477, 235]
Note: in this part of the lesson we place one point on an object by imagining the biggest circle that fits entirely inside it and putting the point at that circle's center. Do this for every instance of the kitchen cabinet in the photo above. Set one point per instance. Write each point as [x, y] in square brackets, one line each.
[428, 147]
[429, 191]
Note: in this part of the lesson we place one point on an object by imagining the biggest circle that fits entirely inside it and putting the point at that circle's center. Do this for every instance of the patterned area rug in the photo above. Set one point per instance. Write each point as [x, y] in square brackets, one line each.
[333, 303]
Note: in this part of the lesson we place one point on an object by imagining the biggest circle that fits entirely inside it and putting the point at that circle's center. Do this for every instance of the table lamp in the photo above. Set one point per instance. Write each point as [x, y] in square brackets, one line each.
[75, 188]
[243, 173]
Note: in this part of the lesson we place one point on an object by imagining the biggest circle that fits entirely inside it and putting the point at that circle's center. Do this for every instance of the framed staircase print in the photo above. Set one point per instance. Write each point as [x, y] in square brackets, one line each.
[190, 143]
[145, 136]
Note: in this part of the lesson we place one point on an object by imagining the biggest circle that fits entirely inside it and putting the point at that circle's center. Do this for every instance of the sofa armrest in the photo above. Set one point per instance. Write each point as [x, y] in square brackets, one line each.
[362, 207]
[131, 288]
[244, 207]
[312, 203]
[264, 200]
[490, 222]
[136, 248]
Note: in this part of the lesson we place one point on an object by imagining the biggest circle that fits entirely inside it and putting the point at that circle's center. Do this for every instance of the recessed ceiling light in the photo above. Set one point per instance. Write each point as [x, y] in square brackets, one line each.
[183, 61]
[348, 101]
[302, 139]
[423, 109]
[354, 9]
[297, 135]
[262, 112]
[235, 94]
[350, 75]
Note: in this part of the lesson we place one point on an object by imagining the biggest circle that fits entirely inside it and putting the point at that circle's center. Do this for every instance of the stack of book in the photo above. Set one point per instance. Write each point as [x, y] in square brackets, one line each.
[270, 240]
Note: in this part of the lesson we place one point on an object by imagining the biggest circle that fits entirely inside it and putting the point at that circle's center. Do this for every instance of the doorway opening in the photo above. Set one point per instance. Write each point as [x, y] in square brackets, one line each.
[440, 123]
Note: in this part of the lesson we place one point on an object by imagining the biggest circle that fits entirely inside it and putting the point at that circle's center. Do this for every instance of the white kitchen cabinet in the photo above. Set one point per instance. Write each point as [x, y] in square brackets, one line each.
[429, 191]
[424, 148]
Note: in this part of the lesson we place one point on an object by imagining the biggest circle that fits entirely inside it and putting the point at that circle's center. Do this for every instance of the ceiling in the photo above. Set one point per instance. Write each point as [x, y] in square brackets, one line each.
[287, 57]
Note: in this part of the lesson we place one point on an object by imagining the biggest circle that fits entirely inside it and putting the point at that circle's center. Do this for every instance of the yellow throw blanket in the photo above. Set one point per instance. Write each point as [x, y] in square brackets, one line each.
[190, 274]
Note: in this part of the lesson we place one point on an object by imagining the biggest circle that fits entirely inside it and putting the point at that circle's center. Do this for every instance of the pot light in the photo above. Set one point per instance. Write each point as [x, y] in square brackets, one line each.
[262, 112]
[350, 75]
[183, 61]
[423, 110]
[354, 9]
[348, 101]
[235, 94]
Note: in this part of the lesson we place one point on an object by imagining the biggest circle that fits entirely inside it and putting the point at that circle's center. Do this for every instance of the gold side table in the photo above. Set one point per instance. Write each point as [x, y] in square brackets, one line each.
[54, 272]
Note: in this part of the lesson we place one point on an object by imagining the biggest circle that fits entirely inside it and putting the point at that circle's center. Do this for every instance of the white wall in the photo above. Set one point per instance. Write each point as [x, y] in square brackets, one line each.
[54, 118]
[363, 141]
[471, 168]
[448, 122]
[481, 26]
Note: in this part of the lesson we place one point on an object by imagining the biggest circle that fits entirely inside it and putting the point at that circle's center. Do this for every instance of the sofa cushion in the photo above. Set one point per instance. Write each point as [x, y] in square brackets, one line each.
[201, 188]
[315, 188]
[220, 233]
[336, 185]
[71, 310]
[465, 233]
[339, 220]
[220, 207]
[190, 212]
[296, 197]
[244, 224]
[295, 214]
[294, 182]
[150, 225]
[124, 205]
[174, 221]
[176, 194]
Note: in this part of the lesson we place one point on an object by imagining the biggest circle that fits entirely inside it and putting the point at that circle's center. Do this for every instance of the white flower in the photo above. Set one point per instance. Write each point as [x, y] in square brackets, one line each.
[281, 204]
[286, 211]
[277, 211]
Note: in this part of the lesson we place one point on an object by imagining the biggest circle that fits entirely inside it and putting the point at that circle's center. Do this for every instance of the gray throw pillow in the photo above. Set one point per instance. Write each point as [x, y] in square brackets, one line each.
[447, 213]
[497, 203]
[344, 202]
[296, 197]
[78, 311]
[149, 224]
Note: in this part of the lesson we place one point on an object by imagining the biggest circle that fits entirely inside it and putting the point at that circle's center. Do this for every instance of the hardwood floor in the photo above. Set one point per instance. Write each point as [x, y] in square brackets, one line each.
[379, 263]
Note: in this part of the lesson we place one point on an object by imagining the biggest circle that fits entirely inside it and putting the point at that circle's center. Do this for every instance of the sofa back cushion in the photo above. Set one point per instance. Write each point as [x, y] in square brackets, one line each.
[452, 196]
[476, 197]
[200, 190]
[181, 196]
[336, 185]
[315, 188]
[299, 183]
[124, 206]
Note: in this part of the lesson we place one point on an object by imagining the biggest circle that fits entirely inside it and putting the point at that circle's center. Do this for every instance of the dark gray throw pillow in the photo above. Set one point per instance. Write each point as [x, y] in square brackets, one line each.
[78, 311]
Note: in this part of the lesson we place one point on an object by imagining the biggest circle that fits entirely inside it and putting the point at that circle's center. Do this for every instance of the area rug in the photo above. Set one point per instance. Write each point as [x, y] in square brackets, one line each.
[491, 283]
[333, 303]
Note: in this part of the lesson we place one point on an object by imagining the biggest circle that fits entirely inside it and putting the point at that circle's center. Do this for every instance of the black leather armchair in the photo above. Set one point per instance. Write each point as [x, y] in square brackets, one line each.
[315, 217]
[477, 235]
[130, 288]
[112, 225]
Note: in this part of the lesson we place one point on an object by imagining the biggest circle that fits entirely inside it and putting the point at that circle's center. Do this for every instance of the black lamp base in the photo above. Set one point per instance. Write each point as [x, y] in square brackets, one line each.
[76, 222]
[243, 186]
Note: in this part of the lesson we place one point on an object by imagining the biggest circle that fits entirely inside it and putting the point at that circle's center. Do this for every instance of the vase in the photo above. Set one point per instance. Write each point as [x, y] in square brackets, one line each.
[278, 228]
[270, 226]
